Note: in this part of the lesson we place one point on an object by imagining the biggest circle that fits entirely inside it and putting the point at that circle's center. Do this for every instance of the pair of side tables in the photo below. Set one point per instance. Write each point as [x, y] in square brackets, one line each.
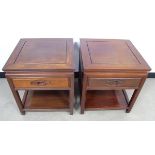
[44, 69]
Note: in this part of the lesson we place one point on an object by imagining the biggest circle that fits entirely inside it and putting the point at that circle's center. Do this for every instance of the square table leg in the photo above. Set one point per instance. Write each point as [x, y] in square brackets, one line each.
[135, 95]
[17, 97]
[83, 98]
[130, 102]
[71, 96]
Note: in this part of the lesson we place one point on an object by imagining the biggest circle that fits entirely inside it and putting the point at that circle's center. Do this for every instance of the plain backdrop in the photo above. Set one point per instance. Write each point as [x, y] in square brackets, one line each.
[128, 19]
[77, 138]
[122, 19]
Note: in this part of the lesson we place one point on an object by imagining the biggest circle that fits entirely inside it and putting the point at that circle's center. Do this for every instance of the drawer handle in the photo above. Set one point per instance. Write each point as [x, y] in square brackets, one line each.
[39, 82]
[114, 82]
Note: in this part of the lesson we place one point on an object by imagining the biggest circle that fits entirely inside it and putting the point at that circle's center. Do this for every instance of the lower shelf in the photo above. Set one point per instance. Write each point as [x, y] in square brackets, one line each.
[105, 99]
[36, 100]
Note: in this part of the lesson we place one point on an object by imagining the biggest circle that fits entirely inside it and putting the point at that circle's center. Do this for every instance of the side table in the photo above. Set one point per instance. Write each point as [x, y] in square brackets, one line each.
[109, 67]
[44, 69]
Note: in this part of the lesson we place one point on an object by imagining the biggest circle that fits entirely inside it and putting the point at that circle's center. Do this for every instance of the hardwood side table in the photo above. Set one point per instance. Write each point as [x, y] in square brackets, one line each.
[44, 69]
[109, 67]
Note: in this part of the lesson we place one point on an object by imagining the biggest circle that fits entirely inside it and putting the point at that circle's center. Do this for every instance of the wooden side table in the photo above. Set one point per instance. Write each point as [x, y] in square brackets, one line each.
[109, 68]
[44, 68]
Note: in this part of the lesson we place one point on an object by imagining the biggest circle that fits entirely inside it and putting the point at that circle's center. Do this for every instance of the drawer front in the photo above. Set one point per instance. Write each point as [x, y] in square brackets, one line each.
[114, 82]
[41, 82]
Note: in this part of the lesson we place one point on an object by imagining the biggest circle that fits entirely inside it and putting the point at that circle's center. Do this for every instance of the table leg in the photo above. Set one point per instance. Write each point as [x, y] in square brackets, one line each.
[83, 98]
[71, 96]
[135, 95]
[16, 96]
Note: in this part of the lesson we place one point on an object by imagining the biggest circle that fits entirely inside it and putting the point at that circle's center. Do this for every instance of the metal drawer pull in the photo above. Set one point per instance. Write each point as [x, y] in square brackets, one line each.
[114, 82]
[40, 82]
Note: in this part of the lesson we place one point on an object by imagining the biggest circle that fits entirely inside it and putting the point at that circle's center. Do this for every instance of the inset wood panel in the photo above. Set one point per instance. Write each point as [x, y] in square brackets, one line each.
[42, 54]
[111, 54]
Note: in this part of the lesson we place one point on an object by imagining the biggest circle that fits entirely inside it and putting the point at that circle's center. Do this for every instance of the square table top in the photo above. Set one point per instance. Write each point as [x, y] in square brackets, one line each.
[51, 54]
[111, 54]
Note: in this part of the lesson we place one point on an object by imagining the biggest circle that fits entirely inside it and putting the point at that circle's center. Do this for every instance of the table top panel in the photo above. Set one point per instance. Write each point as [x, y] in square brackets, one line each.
[111, 54]
[42, 54]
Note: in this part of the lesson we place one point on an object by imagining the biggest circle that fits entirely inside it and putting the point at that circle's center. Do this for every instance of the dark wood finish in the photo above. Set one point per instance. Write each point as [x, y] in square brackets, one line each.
[41, 83]
[108, 66]
[38, 65]
[111, 54]
[134, 96]
[83, 94]
[114, 82]
[105, 99]
[71, 95]
[46, 99]
[77, 74]
[42, 54]
[16, 96]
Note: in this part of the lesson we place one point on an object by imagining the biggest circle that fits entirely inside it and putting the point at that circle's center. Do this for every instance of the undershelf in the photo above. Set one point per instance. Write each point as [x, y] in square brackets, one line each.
[46, 100]
[105, 99]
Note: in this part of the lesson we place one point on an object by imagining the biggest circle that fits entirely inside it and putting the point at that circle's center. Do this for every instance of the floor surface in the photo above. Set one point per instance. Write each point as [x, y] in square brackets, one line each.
[143, 110]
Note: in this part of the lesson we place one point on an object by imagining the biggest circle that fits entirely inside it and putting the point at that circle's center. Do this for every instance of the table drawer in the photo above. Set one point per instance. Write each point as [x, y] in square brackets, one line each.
[41, 82]
[114, 82]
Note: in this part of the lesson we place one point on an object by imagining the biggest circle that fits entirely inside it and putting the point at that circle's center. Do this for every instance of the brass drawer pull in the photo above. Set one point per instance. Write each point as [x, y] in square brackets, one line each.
[114, 82]
[45, 82]
[40, 82]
